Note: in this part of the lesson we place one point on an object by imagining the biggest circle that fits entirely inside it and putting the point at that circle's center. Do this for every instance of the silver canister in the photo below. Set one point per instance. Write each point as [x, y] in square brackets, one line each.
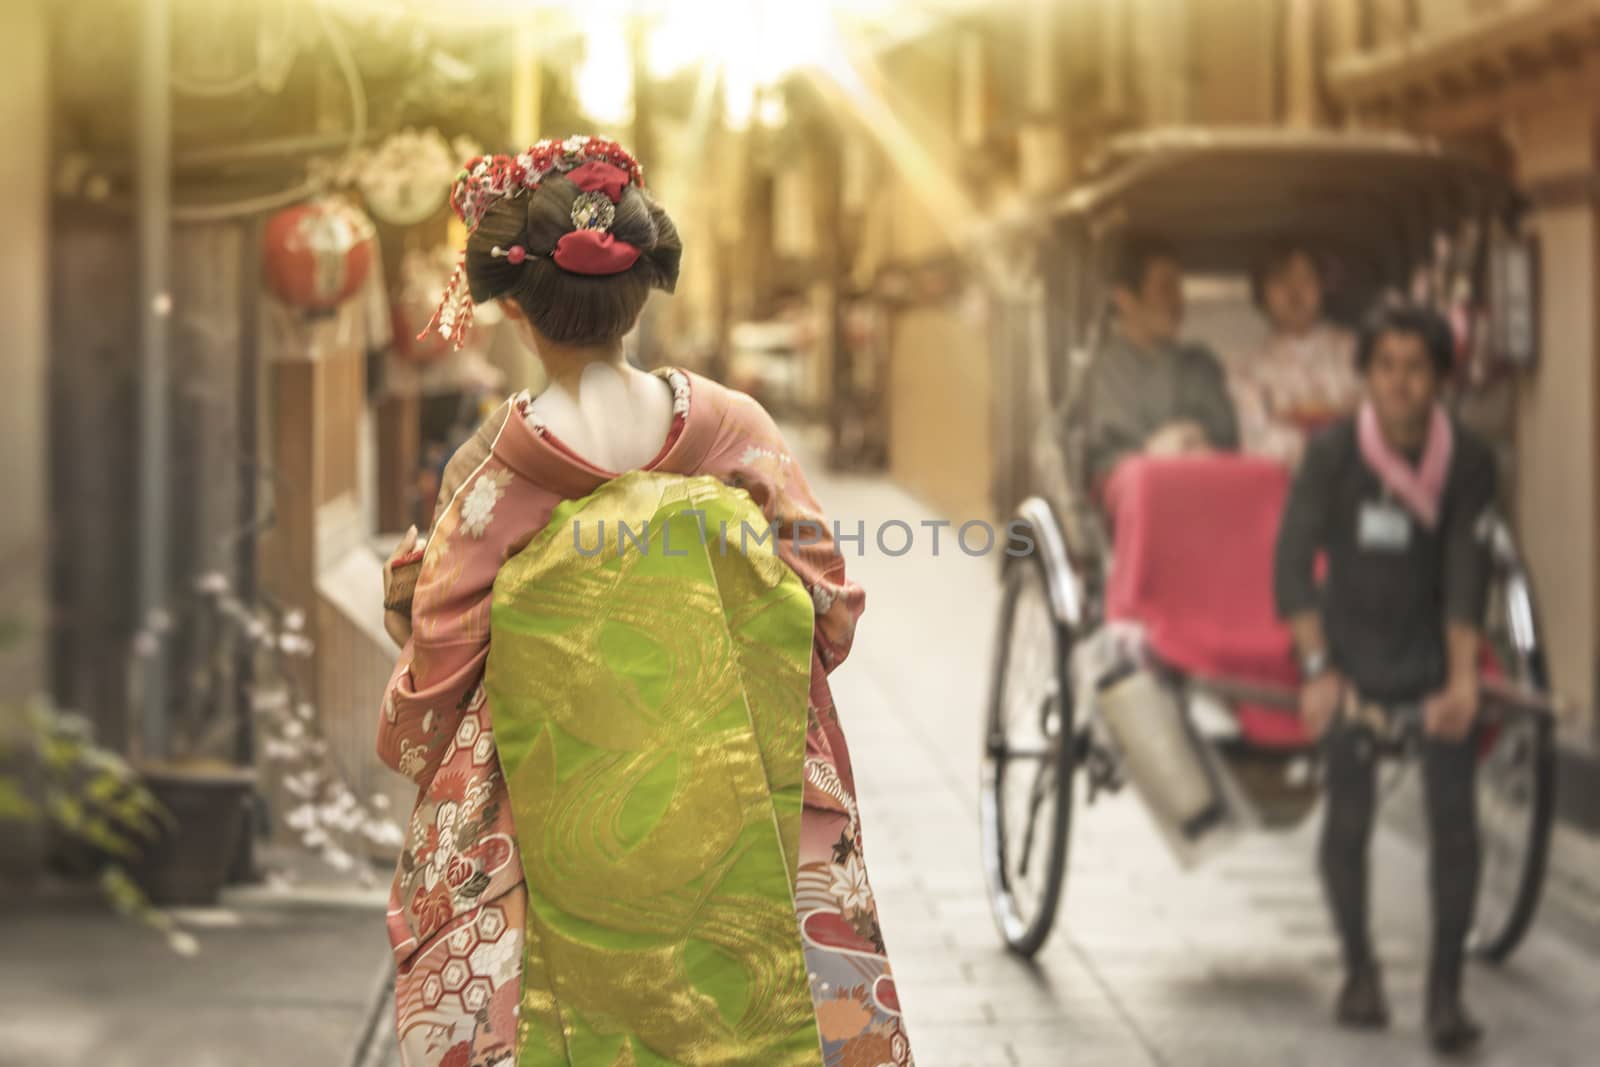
[1161, 755]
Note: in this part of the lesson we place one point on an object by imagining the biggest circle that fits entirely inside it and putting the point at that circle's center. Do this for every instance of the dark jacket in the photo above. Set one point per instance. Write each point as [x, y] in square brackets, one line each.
[1128, 393]
[1384, 609]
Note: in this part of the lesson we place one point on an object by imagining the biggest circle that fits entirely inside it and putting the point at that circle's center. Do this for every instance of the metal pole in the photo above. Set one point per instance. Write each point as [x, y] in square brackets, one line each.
[248, 467]
[154, 160]
[248, 471]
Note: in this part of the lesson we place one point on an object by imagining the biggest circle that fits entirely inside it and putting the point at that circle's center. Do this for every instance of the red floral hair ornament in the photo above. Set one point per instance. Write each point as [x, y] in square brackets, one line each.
[602, 169]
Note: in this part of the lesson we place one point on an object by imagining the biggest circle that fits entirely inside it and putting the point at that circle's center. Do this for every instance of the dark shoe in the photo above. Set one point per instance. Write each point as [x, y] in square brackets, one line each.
[1451, 1030]
[1362, 1004]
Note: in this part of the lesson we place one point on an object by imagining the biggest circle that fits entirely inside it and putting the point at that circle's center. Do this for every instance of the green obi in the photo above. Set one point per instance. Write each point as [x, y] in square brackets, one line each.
[648, 687]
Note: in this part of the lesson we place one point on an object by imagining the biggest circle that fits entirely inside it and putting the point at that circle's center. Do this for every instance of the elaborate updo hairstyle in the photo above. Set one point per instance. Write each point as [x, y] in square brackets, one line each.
[567, 231]
[563, 306]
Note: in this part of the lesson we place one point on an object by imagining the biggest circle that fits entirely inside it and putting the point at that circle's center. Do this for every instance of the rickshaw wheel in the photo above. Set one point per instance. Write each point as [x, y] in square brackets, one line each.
[1516, 808]
[1516, 780]
[1028, 761]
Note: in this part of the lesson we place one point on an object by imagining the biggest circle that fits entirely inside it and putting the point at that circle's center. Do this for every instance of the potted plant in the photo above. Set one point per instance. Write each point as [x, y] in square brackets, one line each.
[242, 677]
[206, 792]
[82, 808]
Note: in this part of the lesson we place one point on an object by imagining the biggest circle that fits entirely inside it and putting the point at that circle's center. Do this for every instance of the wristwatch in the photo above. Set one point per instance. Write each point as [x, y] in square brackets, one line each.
[1314, 663]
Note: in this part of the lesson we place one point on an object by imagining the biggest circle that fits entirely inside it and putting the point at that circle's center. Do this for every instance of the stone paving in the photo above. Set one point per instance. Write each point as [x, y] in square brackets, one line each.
[271, 985]
[1230, 964]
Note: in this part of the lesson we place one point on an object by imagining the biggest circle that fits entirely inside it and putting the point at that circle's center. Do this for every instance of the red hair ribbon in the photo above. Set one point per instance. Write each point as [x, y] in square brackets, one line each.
[598, 177]
[593, 250]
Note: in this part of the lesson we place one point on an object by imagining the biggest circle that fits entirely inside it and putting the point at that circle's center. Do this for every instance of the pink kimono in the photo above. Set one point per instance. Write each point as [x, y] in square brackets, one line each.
[457, 907]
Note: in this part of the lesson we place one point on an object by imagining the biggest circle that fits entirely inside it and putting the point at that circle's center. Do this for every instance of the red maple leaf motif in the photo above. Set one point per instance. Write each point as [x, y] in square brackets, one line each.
[432, 910]
[458, 1056]
[458, 871]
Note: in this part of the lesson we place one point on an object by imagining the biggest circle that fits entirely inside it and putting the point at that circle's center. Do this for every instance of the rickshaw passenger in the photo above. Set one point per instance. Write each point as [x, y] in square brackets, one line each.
[1144, 391]
[1304, 376]
[1395, 497]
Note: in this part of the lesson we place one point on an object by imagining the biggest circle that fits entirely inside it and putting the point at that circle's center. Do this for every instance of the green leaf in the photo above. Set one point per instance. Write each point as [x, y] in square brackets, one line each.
[68, 812]
[14, 805]
[103, 835]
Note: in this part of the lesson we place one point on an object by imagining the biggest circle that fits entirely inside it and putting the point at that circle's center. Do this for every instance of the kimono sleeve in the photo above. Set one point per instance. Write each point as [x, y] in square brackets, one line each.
[470, 456]
[422, 705]
[804, 540]
[439, 669]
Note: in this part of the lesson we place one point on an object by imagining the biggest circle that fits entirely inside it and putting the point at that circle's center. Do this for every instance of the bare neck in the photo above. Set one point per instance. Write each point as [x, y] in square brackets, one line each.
[564, 364]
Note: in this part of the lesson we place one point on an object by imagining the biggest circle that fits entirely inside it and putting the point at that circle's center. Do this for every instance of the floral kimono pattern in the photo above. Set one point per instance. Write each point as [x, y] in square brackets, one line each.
[458, 907]
[1291, 387]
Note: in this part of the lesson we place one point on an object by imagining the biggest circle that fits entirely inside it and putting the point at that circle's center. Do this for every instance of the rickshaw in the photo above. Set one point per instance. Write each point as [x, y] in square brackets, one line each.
[1390, 209]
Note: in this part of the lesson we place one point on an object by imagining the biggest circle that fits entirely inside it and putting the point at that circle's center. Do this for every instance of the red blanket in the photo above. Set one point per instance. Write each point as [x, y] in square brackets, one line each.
[1193, 544]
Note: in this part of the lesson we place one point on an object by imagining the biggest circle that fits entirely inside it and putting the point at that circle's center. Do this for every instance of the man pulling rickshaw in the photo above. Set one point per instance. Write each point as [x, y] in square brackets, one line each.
[1398, 498]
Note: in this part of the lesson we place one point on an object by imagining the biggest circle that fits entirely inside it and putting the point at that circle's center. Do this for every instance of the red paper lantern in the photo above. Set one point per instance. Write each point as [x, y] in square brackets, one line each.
[317, 254]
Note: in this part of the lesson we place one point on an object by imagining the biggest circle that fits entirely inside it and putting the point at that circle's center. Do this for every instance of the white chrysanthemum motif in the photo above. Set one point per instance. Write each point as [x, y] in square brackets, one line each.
[822, 598]
[477, 507]
[850, 885]
[498, 959]
[413, 758]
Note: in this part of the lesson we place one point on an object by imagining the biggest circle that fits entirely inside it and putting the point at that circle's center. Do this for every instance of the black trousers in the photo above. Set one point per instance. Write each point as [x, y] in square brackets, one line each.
[1449, 769]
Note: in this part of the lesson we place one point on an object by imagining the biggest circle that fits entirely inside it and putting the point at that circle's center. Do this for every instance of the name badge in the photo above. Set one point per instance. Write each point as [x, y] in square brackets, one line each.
[1383, 528]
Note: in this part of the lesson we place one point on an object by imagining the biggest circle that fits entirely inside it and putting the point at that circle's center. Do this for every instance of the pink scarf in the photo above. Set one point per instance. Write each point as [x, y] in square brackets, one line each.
[1418, 488]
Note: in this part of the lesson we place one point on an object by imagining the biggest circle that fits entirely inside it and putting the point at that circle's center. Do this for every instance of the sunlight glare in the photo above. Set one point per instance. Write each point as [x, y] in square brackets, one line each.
[605, 79]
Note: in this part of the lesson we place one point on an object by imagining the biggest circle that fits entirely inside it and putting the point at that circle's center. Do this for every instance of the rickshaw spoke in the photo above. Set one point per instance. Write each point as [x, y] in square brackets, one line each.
[1035, 801]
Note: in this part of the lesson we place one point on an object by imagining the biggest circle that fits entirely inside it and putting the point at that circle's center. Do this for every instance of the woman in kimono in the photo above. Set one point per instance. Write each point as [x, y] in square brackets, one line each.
[636, 838]
[1304, 377]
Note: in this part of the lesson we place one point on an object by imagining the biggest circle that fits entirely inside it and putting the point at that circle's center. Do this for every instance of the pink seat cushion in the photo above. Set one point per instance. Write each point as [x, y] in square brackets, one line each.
[1193, 543]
